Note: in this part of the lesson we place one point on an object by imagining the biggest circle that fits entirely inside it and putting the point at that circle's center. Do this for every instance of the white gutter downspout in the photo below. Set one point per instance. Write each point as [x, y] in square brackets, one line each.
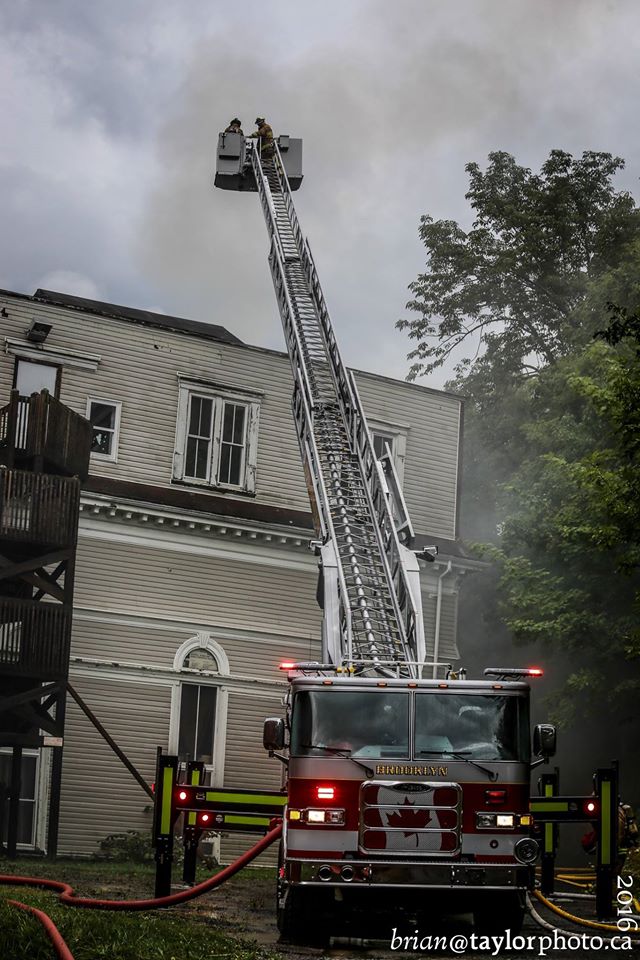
[436, 633]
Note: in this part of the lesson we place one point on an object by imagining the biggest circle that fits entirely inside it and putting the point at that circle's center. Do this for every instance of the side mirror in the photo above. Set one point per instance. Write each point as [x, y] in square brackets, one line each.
[273, 734]
[544, 740]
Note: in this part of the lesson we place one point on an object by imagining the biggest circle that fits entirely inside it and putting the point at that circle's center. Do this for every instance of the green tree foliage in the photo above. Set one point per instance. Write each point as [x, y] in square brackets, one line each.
[552, 416]
[526, 284]
[569, 543]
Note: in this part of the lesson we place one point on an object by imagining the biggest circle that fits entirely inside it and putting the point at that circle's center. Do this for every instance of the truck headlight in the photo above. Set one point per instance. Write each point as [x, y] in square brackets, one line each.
[485, 820]
[504, 820]
[333, 817]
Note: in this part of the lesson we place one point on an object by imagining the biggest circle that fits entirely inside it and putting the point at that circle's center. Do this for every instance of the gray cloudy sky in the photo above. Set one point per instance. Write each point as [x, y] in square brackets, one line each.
[110, 111]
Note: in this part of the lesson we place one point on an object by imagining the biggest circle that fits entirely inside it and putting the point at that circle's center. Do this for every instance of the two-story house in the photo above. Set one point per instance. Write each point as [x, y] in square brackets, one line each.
[194, 578]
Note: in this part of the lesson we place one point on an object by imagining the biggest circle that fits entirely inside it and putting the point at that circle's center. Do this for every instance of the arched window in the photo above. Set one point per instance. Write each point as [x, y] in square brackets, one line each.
[200, 659]
[199, 706]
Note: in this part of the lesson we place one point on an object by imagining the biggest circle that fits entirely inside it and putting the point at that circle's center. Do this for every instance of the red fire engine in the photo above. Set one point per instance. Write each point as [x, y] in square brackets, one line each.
[398, 788]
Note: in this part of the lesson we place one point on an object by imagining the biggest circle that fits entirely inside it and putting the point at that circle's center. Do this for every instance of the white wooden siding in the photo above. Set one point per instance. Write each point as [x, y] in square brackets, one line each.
[448, 647]
[179, 586]
[247, 764]
[99, 795]
[139, 366]
[431, 463]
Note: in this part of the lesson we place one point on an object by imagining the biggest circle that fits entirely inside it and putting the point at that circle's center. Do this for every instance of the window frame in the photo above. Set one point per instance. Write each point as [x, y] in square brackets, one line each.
[397, 433]
[220, 395]
[39, 362]
[199, 687]
[204, 641]
[117, 405]
[30, 753]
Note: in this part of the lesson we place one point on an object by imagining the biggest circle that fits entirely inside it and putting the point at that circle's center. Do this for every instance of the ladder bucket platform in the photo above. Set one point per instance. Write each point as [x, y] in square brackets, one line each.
[233, 161]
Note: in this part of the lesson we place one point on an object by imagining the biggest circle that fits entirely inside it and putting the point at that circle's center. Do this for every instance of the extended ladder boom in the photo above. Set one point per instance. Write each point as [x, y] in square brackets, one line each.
[371, 593]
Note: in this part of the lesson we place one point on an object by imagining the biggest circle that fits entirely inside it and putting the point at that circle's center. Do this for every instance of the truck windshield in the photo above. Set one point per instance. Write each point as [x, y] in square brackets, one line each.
[477, 726]
[354, 723]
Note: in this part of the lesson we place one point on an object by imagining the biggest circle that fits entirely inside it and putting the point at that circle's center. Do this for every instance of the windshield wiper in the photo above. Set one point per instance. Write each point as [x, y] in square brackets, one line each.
[493, 776]
[339, 752]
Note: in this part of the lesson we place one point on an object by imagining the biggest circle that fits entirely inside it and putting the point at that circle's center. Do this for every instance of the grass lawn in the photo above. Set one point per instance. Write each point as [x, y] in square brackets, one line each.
[188, 932]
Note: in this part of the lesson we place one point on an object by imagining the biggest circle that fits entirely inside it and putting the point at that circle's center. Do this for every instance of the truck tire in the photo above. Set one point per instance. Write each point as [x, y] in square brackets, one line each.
[497, 912]
[300, 918]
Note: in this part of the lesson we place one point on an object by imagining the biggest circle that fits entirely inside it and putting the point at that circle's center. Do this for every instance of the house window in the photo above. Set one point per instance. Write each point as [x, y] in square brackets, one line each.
[28, 795]
[198, 703]
[380, 443]
[104, 416]
[216, 437]
[32, 377]
[393, 435]
[197, 729]
[197, 722]
[232, 443]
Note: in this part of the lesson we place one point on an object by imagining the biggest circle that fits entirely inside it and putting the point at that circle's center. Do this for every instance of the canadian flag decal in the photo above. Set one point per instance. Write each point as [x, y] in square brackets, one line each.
[408, 817]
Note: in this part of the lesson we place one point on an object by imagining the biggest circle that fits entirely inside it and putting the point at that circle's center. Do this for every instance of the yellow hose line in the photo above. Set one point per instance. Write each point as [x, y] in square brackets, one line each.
[581, 920]
[573, 883]
[572, 879]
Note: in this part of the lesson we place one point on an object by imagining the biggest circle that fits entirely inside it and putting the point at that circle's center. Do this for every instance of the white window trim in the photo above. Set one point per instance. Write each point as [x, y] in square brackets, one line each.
[398, 433]
[219, 393]
[68, 358]
[203, 641]
[113, 456]
[40, 796]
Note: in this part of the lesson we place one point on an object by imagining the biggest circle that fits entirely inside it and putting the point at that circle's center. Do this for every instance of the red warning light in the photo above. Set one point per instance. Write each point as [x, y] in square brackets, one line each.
[591, 806]
[535, 672]
[287, 665]
[205, 817]
[495, 796]
[182, 795]
[325, 792]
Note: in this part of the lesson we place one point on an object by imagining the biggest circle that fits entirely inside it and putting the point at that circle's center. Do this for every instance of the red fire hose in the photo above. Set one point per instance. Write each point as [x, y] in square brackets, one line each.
[67, 895]
[59, 944]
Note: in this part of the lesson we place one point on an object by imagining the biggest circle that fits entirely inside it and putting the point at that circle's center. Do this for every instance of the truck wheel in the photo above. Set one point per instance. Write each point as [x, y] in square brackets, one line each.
[299, 920]
[495, 913]
[288, 917]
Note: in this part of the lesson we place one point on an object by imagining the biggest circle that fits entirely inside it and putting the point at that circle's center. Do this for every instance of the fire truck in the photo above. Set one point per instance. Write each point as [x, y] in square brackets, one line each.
[402, 790]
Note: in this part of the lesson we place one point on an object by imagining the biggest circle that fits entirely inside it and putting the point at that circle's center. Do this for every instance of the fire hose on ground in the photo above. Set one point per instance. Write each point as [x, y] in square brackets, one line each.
[576, 880]
[67, 896]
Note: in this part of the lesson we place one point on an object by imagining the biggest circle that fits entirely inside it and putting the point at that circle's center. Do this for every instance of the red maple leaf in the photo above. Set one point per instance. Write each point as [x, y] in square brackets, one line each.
[406, 816]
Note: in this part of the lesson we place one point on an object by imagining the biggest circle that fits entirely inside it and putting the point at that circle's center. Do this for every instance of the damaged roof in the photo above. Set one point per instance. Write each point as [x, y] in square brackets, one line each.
[210, 331]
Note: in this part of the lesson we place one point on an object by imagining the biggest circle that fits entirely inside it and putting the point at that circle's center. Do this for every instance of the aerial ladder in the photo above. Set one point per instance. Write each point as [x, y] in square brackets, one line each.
[393, 784]
[370, 578]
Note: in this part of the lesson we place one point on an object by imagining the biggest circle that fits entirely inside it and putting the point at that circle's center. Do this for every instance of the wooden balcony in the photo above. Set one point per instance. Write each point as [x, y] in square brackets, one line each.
[41, 434]
[34, 639]
[38, 510]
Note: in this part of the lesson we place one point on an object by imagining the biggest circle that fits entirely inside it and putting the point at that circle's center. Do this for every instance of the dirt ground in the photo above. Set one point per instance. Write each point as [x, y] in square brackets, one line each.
[245, 907]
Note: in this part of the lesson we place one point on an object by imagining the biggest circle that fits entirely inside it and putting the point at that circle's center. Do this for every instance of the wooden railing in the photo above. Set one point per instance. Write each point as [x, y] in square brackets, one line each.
[34, 638]
[38, 508]
[43, 434]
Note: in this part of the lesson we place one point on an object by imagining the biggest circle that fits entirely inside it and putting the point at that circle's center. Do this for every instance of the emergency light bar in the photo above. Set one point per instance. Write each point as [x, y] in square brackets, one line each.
[513, 673]
[295, 665]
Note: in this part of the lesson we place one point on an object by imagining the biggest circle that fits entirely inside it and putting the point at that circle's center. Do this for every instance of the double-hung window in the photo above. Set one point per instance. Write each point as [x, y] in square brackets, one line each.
[393, 437]
[381, 441]
[104, 416]
[216, 437]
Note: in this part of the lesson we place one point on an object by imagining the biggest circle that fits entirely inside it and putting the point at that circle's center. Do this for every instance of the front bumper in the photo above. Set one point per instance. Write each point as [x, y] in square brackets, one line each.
[439, 875]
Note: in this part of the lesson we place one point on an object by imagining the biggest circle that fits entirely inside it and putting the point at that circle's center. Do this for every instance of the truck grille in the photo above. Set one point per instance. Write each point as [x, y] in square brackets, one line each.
[410, 818]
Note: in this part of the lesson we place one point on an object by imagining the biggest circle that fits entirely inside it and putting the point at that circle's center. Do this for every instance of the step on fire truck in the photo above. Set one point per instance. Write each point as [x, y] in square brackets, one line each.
[402, 791]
